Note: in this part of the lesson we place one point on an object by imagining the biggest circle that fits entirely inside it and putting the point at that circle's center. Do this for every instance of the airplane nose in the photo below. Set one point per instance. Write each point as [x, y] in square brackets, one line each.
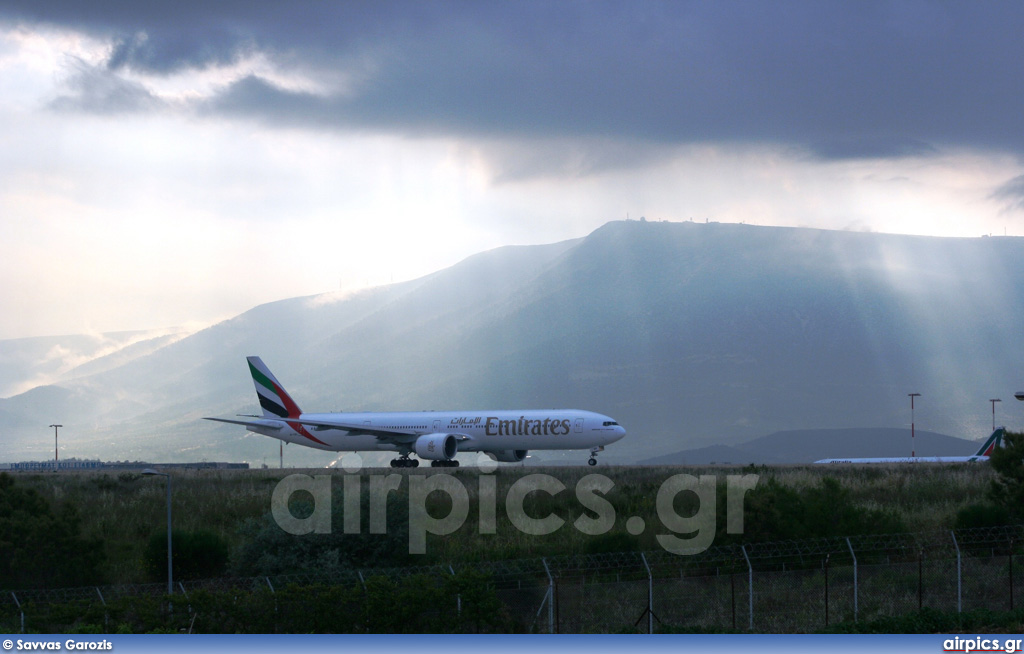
[619, 433]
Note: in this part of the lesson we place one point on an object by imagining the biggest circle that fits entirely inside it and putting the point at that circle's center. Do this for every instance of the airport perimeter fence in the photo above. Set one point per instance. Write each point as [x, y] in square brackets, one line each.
[785, 587]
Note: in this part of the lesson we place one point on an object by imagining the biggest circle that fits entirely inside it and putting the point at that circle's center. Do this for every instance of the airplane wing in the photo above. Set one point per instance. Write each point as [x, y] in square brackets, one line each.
[397, 436]
[355, 429]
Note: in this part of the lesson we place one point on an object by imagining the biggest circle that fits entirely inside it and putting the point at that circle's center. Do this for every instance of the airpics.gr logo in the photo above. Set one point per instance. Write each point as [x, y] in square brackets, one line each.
[686, 534]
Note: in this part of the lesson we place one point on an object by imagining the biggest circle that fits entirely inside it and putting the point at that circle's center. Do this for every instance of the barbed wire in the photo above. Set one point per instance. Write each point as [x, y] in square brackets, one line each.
[716, 560]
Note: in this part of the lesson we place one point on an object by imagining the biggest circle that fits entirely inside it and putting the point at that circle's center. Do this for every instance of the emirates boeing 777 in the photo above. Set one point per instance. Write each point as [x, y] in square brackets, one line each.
[436, 436]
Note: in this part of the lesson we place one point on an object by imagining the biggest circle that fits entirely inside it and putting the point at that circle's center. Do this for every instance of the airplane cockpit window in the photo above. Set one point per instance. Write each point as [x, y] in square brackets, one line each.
[610, 423]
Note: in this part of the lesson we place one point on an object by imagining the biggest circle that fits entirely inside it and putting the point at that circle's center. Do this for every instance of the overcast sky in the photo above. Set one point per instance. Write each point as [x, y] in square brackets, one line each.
[172, 163]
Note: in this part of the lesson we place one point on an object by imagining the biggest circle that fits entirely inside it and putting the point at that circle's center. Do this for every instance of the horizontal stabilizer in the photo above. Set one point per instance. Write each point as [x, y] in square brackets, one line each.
[262, 424]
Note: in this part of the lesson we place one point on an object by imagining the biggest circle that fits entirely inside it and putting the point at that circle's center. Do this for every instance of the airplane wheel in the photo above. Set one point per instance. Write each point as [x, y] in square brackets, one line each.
[592, 461]
[414, 463]
[394, 463]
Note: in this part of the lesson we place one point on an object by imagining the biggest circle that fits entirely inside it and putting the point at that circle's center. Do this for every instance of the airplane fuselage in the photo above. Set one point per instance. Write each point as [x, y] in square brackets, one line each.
[437, 436]
[479, 431]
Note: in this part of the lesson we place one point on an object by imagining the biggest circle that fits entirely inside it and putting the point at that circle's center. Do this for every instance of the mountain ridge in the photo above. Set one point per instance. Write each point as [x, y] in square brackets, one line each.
[684, 332]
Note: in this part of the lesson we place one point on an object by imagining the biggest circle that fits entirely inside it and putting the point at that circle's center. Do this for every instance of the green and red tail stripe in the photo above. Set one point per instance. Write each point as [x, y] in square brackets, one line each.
[992, 443]
[274, 399]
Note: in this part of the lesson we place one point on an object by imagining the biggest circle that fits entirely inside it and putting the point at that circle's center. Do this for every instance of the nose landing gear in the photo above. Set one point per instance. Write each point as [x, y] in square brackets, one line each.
[593, 454]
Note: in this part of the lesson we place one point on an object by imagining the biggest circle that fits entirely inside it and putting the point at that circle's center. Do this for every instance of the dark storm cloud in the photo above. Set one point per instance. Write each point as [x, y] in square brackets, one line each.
[98, 91]
[843, 79]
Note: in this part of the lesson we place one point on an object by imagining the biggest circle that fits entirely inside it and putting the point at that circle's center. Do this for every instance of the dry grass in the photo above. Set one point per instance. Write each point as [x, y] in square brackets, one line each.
[124, 509]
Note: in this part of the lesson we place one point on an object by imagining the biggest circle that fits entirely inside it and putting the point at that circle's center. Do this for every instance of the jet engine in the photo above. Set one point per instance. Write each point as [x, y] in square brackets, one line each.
[508, 456]
[436, 447]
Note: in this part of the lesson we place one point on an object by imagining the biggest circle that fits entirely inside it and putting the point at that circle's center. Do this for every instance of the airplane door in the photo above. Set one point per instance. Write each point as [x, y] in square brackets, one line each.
[579, 425]
[437, 426]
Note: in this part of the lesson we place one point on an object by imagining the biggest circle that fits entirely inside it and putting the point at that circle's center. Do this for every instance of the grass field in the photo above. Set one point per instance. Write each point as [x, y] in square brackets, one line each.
[125, 509]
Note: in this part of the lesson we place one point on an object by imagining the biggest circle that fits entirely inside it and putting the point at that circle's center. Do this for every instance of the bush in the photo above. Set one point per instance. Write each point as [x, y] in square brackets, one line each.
[195, 555]
[267, 549]
[775, 512]
[982, 515]
[1007, 461]
[41, 547]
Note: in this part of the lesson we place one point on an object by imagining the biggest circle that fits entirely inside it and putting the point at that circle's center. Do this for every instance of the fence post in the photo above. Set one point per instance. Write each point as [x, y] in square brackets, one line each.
[750, 585]
[1011, 574]
[551, 597]
[959, 576]
[732, 589]
[827, 556]
[19, 611]
[650, 595]
[104, 603]
[854, 578]
[920, 578]
[458, 598]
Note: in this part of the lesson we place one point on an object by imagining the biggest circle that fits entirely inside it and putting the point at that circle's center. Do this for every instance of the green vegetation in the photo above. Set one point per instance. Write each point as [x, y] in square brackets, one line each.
[194, 554]
[777, 512]
[1007, 489]
[71, 529]
[464, 603]
[41, 544]
[111, 529]
[931, 621]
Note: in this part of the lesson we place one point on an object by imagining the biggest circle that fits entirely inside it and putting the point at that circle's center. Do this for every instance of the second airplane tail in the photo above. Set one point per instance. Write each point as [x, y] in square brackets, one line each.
[274, 399]
[992, 443]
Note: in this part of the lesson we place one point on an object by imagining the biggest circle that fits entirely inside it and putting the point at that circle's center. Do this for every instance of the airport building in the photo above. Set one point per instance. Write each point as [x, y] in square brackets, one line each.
[96, 464]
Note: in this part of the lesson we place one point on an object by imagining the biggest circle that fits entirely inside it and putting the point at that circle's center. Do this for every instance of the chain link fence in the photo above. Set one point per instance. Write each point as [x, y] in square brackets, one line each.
[790, 586]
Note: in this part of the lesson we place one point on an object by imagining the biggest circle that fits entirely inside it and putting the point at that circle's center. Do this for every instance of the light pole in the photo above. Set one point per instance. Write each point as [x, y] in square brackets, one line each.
[55, 428]
[170, 577]
[994, 413]
[912, 396]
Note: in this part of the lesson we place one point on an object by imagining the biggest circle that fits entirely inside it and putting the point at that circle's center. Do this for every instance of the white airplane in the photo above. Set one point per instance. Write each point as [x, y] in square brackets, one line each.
[981, 455]
[436, 436]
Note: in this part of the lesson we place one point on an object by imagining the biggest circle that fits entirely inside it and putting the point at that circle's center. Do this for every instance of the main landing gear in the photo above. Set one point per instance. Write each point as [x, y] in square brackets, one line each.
[405, 462]
[450, 463]
[593, 454]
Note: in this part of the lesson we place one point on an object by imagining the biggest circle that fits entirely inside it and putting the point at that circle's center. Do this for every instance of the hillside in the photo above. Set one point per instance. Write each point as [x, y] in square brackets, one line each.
[688, 334]
[810, 445]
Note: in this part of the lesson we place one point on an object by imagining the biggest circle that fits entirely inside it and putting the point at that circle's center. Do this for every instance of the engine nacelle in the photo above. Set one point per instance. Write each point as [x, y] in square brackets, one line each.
[436, 447]
[508, 456]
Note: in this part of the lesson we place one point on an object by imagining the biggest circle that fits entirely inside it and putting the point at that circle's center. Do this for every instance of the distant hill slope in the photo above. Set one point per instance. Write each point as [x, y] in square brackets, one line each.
[810, 445]
[26, 363]
[688, 334]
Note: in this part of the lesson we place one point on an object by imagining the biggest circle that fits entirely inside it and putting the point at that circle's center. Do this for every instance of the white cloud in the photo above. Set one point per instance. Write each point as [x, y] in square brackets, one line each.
[156, 215]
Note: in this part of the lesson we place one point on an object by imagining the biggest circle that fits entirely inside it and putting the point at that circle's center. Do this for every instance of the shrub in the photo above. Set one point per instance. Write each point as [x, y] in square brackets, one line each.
[776, 512]
[982, 515]
[267, 549]
[41, 546]
[195, 555]
[1007, 461]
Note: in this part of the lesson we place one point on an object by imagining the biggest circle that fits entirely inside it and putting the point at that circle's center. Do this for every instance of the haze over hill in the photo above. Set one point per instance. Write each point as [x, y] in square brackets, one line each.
[810, 445]
[688, 334]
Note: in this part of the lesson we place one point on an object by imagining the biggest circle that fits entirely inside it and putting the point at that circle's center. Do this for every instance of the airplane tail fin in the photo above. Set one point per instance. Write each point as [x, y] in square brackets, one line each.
[992, 443]
[274, 399]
